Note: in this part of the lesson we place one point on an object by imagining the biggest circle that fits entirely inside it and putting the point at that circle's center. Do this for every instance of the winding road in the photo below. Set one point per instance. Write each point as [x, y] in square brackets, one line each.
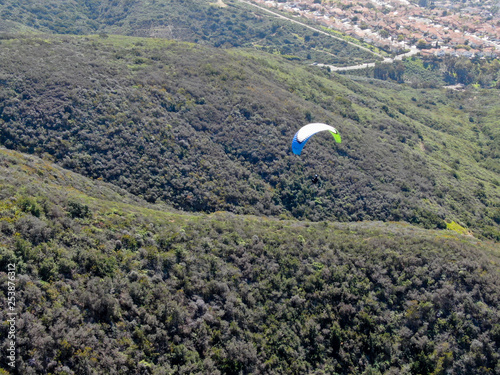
[388, 60]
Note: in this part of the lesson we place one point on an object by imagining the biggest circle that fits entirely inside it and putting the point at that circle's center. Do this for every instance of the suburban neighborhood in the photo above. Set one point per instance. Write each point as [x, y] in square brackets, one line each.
[458, 28]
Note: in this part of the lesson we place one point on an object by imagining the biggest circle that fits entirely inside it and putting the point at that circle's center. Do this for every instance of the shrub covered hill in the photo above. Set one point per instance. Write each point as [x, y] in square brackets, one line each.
[227, 24]
[107, 283]
[206, 129]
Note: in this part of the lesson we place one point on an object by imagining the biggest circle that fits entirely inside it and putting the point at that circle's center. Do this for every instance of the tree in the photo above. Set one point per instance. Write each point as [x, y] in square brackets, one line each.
[465, 71]
[422, 44]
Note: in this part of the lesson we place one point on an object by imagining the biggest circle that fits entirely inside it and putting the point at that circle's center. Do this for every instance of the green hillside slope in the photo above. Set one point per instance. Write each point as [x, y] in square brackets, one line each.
[207, 129]
[108, 283]
[202, 21]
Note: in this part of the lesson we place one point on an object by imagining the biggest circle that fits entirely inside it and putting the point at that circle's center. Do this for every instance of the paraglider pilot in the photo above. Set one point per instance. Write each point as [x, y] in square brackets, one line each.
[315, 179]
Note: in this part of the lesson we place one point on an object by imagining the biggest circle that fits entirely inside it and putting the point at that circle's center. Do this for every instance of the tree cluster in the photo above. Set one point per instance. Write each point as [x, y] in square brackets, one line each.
[436, 71]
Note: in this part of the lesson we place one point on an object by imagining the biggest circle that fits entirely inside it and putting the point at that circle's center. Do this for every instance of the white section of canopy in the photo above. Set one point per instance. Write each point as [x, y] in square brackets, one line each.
[308, 130]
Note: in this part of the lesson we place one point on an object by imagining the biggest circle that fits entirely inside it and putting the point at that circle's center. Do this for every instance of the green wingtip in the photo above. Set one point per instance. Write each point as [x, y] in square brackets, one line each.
[336, 136]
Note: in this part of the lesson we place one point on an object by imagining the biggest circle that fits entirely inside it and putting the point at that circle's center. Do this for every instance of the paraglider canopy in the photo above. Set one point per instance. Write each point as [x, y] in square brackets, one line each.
[307, 131]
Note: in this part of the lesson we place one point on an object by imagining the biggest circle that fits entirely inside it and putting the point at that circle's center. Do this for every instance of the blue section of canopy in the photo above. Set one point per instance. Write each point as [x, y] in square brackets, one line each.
[298, 146]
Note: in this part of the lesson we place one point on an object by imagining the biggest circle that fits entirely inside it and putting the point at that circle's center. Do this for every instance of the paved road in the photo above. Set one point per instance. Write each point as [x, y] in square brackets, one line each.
[413, 49]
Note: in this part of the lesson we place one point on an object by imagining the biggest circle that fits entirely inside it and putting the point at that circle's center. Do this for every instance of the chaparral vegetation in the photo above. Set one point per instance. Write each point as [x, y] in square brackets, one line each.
[159, 222]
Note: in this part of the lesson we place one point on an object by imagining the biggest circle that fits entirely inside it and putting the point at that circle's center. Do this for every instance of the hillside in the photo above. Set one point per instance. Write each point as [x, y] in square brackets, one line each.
[235, 24]
[206, 129]
[108, 283]
[157, 221]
